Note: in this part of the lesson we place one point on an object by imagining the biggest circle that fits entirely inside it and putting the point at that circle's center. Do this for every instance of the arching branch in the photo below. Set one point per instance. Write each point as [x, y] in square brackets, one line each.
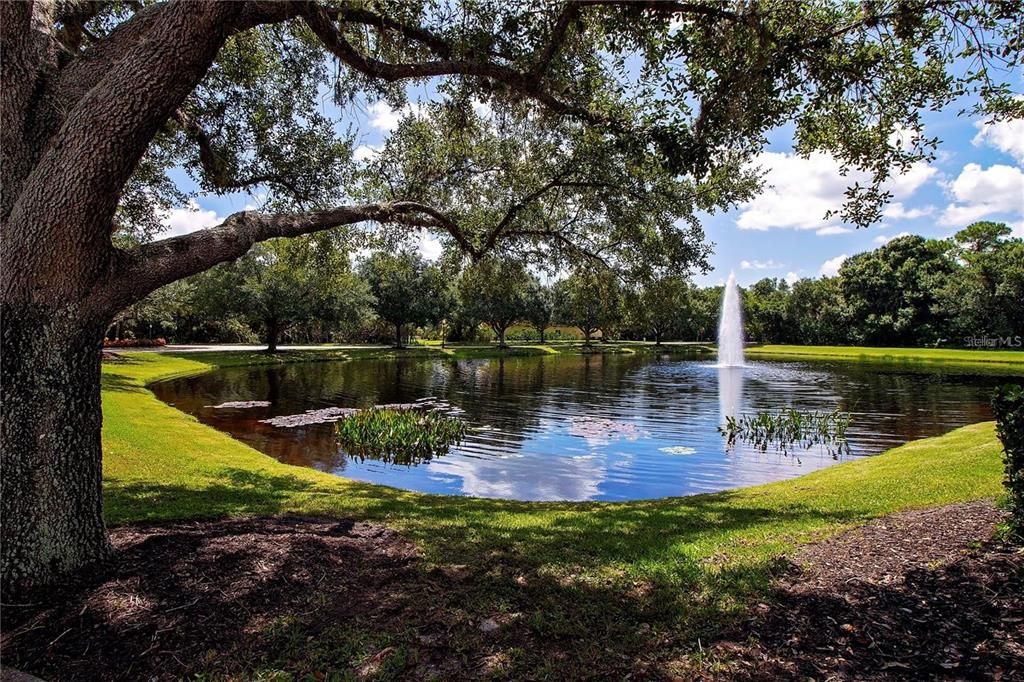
[140, 270]
[322, 24]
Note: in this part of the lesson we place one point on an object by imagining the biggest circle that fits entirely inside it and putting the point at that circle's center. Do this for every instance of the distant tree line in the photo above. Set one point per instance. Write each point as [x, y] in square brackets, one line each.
[911, 291]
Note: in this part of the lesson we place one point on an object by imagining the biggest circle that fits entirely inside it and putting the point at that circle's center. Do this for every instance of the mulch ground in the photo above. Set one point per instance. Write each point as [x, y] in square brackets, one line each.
[917, 595]
[911, 596]
[186, 597]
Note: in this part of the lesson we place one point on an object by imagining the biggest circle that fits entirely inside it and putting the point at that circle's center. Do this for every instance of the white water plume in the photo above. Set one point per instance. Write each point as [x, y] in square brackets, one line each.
[730, 326]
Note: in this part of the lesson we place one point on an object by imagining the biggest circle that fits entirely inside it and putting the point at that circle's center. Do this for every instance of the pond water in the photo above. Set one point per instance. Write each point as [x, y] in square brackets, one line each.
[593, 427]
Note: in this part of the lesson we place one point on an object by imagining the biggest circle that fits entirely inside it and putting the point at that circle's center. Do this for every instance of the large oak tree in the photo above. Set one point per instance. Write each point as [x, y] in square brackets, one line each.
[98, 100]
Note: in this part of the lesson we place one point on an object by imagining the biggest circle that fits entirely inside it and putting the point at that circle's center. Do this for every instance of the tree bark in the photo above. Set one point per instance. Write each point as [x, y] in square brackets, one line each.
[50, 491]
[398, 335]
[273, 333]
[542, 333]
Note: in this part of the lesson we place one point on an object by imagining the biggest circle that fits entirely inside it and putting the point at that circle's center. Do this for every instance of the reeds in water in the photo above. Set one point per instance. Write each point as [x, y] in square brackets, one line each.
[789, 429]
[399, 436]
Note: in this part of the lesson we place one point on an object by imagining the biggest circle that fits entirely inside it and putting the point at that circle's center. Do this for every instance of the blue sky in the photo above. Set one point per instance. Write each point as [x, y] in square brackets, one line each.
[978, 174]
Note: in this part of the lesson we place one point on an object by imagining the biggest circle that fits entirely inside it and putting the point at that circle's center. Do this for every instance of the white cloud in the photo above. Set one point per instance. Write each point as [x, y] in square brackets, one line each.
[384, 117]
[978, 193]
[832, 229]
[192, 217]
[791, 278]
[1006, 136]
[364, 152]
[760, 265]
[830, 268]
[897, 211]
[905, 184]
[429, 246]
[882, 239]
[483, 109]
[800, 191]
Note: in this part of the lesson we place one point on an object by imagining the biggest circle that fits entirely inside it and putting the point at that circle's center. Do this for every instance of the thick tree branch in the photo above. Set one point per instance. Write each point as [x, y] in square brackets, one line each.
[320, 21]
[421, 35]
[568, 14]
[138, 271]
[714, 10]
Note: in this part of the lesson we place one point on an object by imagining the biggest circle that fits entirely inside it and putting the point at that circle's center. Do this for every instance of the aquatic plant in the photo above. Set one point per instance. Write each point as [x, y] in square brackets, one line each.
[399, 436]
[790, 429]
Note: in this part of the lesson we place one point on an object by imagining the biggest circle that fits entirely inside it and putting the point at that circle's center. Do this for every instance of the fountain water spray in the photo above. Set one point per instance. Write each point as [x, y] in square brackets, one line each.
[730, 327]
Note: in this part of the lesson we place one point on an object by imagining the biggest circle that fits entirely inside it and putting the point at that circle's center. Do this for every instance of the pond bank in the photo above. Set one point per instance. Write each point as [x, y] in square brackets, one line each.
[582, 582]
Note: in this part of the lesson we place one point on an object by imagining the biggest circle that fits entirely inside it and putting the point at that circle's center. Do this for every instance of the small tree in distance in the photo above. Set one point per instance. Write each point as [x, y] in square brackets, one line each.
[591, 300]
[495, 291]
[540, 306]
[405, 287]
[663, 307]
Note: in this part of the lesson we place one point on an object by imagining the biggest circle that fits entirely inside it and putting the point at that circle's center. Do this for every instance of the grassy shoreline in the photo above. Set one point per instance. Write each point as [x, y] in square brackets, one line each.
[1011, 359]
[597, 570]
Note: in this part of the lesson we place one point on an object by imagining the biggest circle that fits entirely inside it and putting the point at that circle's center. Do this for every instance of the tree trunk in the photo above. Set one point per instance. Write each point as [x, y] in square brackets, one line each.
[501, 339]
[50, 491]
[273, 333]
[657, 338]
[542, 333]
[398, 335]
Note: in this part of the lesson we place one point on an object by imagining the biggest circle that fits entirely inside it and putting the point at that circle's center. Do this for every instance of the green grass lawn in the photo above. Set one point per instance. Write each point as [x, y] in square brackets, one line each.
[699, 559]
[1011, 359]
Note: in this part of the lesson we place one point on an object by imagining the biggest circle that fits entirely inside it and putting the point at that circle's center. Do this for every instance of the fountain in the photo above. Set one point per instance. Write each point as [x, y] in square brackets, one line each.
[730, 327]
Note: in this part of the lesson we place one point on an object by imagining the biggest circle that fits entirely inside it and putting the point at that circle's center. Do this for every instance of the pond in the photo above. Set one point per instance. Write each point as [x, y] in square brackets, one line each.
[587, 427]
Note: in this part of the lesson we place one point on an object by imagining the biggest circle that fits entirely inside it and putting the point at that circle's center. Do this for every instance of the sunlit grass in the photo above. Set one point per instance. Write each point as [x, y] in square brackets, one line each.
[1009, 360]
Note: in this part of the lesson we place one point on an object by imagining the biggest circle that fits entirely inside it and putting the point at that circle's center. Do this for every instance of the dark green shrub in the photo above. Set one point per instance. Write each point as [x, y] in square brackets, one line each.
[1008, 405]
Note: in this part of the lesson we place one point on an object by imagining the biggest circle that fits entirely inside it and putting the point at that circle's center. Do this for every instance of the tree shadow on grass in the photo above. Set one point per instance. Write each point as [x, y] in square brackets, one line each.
[311, 595]
[575, 537]
[119, 383]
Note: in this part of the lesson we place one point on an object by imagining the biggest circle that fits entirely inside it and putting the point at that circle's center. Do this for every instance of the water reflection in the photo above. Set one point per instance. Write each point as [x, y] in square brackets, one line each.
[730, 392]
[584, 427]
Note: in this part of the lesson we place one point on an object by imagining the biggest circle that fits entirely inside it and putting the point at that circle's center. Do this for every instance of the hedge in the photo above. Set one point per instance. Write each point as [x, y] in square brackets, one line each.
[1008, 405]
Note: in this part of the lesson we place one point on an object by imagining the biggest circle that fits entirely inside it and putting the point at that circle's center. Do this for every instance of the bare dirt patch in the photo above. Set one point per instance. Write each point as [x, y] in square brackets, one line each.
[918, 595]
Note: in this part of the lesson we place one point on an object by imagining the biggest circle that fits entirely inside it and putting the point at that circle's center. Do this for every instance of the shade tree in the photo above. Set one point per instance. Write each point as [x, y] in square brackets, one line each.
[284, 283]
[406, 289]
[892, 292]
[986, 297]
[662, 308]
[540, 306]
